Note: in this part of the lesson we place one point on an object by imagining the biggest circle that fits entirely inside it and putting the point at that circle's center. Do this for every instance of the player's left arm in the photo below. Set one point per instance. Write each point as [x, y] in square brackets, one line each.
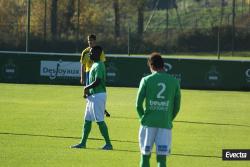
[177, 101]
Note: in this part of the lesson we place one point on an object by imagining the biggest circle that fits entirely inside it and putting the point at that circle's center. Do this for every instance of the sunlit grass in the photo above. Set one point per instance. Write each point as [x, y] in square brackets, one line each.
[40, 122]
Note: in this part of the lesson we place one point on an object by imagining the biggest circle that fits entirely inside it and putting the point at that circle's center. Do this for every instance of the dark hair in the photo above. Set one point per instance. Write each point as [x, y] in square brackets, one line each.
[92, 36]
[156, 60]
[96, 52]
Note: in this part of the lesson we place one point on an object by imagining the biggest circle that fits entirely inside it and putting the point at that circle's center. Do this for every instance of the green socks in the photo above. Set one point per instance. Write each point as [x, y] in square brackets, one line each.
[145, 161]
[161, 160]
[104, 131]
[86, 131]
[87, 128]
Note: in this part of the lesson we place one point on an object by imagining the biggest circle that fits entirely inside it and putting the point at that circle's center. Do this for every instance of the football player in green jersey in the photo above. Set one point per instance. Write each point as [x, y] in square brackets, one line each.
[86, 62]
[95, 93]
[161, 94]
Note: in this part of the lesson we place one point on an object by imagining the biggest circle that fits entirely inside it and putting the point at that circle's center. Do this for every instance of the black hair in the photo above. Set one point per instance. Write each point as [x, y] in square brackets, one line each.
[92, 36]
[156, 60]
[98, 49]
[96, 52]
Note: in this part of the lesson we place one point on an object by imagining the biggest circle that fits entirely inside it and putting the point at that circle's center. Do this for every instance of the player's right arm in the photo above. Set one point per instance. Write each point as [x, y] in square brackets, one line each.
[83, 64]
[140, 98]
[82, 74]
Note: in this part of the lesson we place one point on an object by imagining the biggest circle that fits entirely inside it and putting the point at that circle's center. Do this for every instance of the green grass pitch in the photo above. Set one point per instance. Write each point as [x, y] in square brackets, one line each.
[38, 123]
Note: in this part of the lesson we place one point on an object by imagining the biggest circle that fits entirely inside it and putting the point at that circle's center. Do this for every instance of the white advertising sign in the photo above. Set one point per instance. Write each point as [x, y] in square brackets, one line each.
[60, 69]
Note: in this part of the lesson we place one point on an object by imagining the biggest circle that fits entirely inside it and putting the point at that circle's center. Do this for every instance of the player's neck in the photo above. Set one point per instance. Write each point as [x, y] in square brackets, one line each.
[159, 70]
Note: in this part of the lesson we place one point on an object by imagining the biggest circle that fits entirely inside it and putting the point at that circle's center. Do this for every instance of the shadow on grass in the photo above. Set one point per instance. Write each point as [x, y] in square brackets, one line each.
[195, 122]
[118, 150]
[172, 154]
[213, 123]
[61, 137]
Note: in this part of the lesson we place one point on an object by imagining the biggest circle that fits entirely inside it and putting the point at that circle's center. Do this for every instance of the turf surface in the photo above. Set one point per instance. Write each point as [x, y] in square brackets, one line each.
[40, 122]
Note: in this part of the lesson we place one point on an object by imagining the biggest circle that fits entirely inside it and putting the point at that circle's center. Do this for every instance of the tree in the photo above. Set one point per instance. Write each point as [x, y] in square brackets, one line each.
[68, 14]
[12, 21]
[54, 19]
[140, 16]
[117, 17]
